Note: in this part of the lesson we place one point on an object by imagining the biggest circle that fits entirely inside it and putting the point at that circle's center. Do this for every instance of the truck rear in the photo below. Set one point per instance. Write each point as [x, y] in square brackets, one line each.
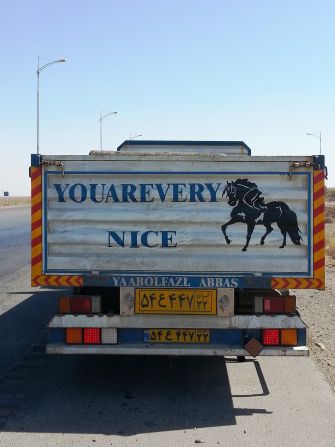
[177, 248]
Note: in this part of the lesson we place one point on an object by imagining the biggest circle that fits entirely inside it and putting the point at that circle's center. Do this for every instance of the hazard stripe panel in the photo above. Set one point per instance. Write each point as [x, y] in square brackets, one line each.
[318, 280]
[37, 277]
[60, 280]
[36, 221]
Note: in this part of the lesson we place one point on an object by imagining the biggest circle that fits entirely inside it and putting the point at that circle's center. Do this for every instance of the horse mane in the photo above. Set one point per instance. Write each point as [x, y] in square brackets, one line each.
[245, 182]
[256, 199]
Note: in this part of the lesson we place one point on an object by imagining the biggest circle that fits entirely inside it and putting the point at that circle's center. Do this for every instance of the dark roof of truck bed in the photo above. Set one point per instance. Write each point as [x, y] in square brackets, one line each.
[183, 143]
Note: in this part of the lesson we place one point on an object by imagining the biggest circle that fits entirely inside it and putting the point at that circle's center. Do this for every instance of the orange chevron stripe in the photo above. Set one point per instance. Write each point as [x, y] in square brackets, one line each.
[34, 173]
[35, 208]
[36, 250]
[319, 224]
[320, 263]
[36, 223]
[318, 187]
[319, 229]
[318, 255]
[318, 176]
[318, 193]
[35, 182]
[319, 236]
[274, 283]
[37, 215]
[35, 233]
[318, 202]
[37, 200]
[319, 210]
[318, 181]
[318, 245]
[36, 267]
[36, 240]
[36, 189]
[37, 258]
[296, 283]
[56, 281]
[319, 184]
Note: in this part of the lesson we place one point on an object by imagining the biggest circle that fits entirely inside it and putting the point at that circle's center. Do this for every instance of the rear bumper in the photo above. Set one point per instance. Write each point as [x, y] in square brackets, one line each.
[135, 349]
[178, 321]
[228, 335]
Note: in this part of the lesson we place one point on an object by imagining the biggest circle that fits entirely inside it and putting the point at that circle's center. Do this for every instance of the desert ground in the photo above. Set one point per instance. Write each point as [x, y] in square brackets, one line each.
[317, 308]
[14, 201]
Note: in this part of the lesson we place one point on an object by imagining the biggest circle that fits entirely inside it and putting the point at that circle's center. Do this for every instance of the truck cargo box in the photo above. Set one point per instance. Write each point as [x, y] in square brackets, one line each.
[178, 248]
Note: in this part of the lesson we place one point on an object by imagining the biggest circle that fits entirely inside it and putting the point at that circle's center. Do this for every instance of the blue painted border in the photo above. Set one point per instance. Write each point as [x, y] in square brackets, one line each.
[191, 274]
[35, 160]
[178, 172]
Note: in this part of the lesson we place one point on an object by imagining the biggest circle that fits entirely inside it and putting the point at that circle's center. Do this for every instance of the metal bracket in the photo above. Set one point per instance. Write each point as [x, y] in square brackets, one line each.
[57, 163]
[299, 164]
[317, 164]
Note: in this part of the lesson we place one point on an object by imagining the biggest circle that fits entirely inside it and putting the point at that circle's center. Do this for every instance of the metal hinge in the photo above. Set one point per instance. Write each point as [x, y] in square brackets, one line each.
[57, 163]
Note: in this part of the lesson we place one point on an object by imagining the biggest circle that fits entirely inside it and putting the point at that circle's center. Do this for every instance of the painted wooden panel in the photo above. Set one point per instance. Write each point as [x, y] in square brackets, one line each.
[142, 214]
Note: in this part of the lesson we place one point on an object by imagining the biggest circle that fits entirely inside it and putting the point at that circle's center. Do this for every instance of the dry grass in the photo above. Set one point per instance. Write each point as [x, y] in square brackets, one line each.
[330, 213]
[330, 236]
[330, 194]
[14, 201]
[330, 206]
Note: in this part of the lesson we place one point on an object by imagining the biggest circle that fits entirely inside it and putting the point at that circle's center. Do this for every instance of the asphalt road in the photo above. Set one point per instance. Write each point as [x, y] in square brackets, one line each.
[119, 401]
[14, 239]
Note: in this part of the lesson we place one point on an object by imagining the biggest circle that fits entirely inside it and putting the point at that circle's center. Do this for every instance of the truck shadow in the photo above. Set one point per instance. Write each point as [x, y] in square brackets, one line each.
[113, 395]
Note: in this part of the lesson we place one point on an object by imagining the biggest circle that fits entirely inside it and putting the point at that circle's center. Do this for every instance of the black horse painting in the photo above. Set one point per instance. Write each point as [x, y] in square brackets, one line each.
[251, 209]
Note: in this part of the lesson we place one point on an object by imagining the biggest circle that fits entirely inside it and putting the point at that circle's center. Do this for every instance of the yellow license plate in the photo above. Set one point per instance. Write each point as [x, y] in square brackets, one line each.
[177, 336]
[176, 301]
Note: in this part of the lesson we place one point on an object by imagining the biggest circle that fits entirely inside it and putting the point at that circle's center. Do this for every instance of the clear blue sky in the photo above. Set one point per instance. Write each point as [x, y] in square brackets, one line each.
[257, 71]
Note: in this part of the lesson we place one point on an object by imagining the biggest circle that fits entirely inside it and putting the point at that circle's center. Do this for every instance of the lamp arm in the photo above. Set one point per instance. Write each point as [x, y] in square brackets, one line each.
[112, 113]
[48, 64]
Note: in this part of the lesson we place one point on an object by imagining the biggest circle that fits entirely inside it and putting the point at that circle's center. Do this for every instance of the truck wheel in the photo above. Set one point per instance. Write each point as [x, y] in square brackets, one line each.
[241, 358]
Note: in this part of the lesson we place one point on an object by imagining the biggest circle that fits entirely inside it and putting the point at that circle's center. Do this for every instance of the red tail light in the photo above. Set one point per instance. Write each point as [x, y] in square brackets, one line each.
[271, 337]
[80, 304]
[274, 305]
[92, 336]
[290, 304]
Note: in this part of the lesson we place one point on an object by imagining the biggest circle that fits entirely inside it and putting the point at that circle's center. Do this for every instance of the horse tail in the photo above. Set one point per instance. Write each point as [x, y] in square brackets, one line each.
[289, 223]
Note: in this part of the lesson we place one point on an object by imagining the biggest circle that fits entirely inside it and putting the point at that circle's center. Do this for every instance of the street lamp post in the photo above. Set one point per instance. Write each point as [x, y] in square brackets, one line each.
[102, 117]
[135, 136]
[316, 136]
[39, 69]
